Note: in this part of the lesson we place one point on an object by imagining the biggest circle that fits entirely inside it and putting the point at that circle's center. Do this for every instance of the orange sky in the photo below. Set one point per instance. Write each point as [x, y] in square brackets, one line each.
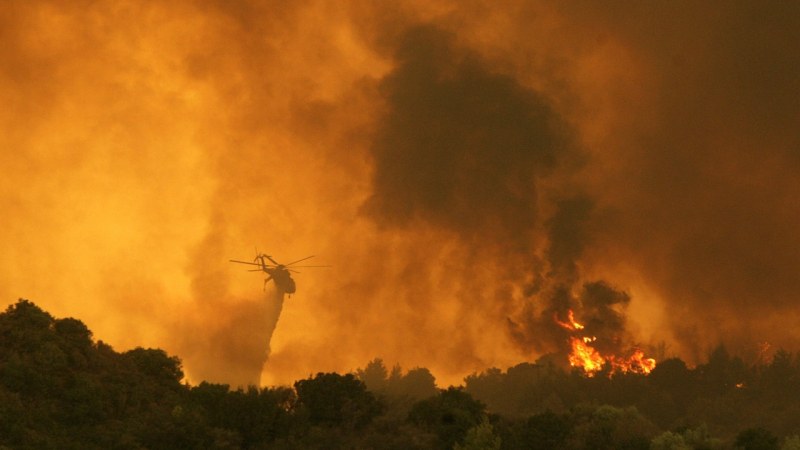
[458, 163]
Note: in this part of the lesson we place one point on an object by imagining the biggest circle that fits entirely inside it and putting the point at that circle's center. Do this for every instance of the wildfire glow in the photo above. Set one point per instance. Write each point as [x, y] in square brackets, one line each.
[635, 363]
[572, 324]
[585, 356]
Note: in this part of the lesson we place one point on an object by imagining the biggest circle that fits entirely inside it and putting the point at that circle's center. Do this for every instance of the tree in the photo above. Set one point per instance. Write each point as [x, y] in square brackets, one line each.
[337, 400]
[609, 427]
[545, 431]
[722, 372]
[756, 439]
[374, 375]
[480, 437]
[157, 365]
[791, 443]
[448, 415]
[781, 377]
[416, 384]
[257, 416]
[669, 440]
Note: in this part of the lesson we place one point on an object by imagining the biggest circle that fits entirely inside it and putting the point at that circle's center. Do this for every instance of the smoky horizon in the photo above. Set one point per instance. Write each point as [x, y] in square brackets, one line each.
[474, 176]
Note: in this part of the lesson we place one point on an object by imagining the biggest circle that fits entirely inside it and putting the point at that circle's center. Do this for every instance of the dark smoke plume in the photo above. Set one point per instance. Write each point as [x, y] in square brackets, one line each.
[461, 147]
[467, 150]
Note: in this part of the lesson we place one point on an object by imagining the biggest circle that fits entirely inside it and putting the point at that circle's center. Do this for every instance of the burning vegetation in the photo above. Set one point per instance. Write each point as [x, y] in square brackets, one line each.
[585, 356]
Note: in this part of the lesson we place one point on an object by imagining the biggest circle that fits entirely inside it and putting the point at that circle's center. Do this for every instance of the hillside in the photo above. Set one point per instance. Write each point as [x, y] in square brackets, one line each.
[61, 389]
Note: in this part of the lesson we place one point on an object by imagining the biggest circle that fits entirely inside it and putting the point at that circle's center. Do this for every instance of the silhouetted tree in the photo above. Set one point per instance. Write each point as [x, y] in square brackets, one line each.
[60, 389]
[252, 415]
[523, 390]
[756, 439]
[611, 428]
[480, 437]
[448, 415]
[156, 365]
[543, 431]
[416, 384]
[374, 375]
[781, 377]
[337, 400]
[721, 373]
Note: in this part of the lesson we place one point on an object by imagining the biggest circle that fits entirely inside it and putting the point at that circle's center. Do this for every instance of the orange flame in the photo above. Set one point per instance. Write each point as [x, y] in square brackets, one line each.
[572, 324]
[635, 363]
[586, 357]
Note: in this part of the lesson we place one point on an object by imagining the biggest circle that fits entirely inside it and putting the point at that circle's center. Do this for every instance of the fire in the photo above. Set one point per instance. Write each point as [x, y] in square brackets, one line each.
[572, 324]
[635, 363]
[585, 356]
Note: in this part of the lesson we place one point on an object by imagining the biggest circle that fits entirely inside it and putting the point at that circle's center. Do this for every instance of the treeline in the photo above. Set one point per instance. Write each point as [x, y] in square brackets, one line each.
[60, 389]
[724, 394]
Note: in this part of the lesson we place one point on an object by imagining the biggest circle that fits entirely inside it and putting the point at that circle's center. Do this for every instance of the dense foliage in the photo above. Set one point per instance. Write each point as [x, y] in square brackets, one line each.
[60, 389]
[724, 394]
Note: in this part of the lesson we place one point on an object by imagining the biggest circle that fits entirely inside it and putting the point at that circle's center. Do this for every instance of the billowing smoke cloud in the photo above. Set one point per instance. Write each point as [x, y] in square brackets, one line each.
[469, 170]
[468, 150]
[461, 147]
[707, 176]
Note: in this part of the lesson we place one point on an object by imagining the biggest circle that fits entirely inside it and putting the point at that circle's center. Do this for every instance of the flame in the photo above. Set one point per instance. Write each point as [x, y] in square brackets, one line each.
[572, 324]
[635, 363]
[585, 356]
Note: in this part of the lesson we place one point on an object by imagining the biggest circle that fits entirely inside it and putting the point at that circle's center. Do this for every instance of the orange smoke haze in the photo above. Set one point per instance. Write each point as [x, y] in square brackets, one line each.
[468, 171]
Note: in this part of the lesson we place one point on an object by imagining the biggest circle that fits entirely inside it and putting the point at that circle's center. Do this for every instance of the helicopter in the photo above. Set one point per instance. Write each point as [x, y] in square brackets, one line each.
[279, 273]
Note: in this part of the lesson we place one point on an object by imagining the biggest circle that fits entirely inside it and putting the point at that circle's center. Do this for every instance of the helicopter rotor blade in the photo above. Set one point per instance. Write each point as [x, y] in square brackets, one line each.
[270, 258]
[303, 259]
[294, 271]
[311, 266]
[244, 262]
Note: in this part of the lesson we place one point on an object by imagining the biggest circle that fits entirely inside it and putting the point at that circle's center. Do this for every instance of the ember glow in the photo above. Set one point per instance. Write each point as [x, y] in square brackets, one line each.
[585, 356]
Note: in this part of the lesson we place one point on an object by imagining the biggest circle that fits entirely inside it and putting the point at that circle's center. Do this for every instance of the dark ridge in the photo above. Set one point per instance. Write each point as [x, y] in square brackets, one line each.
[61, 389]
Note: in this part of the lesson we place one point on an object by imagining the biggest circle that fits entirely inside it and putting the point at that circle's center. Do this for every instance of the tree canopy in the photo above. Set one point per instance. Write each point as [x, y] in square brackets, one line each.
[61, 389]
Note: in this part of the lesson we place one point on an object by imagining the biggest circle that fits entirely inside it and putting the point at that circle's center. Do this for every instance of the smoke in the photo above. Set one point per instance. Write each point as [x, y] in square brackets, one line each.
[469, 170]
[475, 153]
[232, 347]
[460, 147]
[702, 199]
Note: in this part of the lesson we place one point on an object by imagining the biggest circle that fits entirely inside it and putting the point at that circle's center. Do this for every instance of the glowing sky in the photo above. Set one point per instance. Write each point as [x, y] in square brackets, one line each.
[460, 164]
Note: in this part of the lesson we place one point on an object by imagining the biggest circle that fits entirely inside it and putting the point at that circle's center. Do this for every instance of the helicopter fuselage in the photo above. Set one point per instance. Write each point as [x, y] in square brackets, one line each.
[279, 273]
[282, 277]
